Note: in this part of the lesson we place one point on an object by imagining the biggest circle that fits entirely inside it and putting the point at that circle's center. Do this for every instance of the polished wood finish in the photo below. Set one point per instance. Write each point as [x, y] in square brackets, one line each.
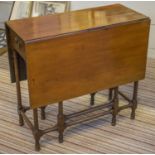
[51, 26]
[58, 25]
[67, 60]
[84, 64]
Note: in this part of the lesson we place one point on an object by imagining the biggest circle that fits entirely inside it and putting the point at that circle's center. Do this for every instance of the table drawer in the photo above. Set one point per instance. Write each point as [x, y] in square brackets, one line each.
[17, 44]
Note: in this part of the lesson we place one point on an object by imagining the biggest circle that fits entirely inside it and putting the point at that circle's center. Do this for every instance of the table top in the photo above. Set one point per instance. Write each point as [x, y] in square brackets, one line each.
[51, 26]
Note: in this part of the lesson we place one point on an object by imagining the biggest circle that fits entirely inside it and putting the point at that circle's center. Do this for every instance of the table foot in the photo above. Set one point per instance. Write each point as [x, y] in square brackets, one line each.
[113, 123]
[60, 137]
[37, 144]
[21, 121]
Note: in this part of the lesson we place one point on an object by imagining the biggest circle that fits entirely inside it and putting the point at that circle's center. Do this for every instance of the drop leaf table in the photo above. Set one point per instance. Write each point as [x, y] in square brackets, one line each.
[75, 53]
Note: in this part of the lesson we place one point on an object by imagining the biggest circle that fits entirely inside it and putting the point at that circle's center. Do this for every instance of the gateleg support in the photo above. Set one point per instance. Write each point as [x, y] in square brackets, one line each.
[18, 88]
[36, 132]
[115, 106]
[134, 100]
[61, 121]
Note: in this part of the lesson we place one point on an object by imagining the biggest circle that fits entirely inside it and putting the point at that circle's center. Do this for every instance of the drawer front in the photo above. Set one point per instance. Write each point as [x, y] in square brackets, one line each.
[17, 44]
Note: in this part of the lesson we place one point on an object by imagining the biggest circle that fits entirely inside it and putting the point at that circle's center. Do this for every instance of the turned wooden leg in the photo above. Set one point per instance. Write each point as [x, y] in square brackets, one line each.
[92, 99]
[36, 129]
[115, 107]
[60, 121]
[43, 115]
[19, 99]
[110, 93]
[134, 100]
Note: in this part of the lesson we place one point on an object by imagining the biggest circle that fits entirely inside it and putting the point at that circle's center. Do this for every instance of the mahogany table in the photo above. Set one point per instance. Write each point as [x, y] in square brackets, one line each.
[76, 53]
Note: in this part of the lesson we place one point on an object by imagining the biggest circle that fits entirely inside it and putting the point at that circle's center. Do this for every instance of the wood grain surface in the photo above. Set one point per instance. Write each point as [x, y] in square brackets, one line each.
[75, 21]
[97, 136]
[109, 50]
[76, 65]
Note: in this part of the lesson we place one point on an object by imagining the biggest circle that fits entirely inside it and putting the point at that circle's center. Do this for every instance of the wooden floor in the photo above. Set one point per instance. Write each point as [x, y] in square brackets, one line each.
[96, 136]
